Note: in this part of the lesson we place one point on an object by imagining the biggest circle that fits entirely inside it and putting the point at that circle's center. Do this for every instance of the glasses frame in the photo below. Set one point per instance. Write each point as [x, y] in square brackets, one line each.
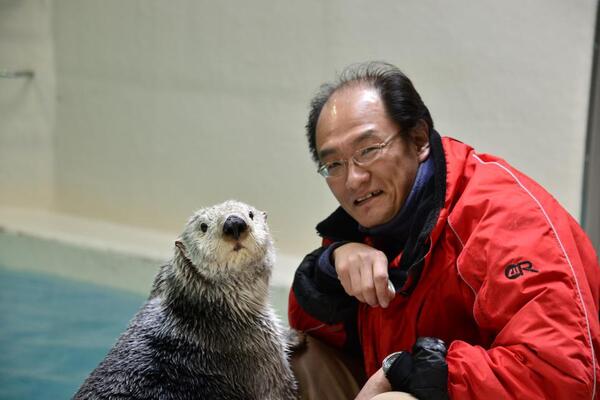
[323, 168]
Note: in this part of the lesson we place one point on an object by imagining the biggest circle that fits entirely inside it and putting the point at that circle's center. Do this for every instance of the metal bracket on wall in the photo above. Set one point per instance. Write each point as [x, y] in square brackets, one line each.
[23, 73]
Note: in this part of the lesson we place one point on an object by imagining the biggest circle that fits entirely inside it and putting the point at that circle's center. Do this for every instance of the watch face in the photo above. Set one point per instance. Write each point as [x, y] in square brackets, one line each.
[389, 360]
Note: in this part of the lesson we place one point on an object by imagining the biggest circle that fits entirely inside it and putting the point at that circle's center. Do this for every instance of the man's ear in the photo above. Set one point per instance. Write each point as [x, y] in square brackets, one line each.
[420, 138]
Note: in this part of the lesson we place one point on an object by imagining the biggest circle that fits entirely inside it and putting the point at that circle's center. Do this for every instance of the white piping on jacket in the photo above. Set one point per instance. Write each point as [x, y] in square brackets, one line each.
[460, 273]
[589, 332]
[462, 245]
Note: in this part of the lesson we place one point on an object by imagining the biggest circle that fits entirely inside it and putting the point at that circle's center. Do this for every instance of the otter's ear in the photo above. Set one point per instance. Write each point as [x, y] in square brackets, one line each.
[264, 213]
[180, 245]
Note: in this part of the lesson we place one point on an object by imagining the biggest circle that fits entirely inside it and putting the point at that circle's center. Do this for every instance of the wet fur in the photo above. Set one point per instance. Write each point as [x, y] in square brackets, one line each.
[206, 331]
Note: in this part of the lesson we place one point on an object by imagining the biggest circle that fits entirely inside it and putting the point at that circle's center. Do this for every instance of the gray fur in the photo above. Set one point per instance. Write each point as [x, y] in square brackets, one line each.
[206, 331]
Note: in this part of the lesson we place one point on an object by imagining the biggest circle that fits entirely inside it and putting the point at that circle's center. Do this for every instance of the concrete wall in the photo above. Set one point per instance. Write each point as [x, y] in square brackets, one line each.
[27, 106]
[164, 107]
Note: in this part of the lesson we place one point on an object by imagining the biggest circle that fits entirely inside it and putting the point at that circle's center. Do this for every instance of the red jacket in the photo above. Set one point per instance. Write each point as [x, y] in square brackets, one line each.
[509, 280]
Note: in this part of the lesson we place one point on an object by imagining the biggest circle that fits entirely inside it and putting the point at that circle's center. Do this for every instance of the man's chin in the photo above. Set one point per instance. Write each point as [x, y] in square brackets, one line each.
[375, 212]
[370, 221]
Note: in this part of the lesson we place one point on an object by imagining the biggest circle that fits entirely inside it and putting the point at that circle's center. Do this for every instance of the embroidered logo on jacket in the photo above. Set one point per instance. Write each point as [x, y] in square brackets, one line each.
[514, 271]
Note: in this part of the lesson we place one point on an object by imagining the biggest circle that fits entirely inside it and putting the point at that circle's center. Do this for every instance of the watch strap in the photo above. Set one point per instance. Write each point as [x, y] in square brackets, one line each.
[399, 370]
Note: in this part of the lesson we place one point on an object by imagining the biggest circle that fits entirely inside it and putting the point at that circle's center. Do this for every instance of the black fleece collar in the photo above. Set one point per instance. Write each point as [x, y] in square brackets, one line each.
[340, 226]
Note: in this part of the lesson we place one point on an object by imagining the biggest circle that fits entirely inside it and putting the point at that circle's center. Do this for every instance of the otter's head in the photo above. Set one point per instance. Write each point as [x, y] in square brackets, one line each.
[228, 238]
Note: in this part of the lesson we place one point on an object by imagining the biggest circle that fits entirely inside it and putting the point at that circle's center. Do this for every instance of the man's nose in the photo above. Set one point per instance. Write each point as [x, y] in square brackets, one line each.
[356, 176]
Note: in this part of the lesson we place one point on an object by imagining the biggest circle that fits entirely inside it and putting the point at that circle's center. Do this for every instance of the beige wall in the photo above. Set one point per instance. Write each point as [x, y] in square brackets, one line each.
[27, 106]
[164, 107]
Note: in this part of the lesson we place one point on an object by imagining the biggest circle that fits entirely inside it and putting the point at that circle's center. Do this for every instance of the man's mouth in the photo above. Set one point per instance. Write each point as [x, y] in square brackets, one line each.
[362, 199]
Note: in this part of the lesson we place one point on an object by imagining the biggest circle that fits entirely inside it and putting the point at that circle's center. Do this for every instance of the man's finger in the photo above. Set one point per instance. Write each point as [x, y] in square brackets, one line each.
[380, 277]
[344, 279]
[367, 284]
[355, 281]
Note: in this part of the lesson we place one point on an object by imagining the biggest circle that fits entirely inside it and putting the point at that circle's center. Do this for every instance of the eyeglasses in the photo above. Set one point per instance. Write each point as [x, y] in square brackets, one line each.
[361, 157]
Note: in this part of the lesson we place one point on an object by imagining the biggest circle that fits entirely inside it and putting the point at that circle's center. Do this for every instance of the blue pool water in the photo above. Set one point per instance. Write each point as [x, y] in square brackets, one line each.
[53, 332]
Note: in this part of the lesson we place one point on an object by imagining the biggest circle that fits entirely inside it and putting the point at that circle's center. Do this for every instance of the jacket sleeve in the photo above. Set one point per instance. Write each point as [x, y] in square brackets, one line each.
[532, 300]
[319, 306]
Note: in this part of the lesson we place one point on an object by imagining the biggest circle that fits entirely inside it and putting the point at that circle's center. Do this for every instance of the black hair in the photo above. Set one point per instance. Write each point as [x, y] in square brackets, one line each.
[401, 100]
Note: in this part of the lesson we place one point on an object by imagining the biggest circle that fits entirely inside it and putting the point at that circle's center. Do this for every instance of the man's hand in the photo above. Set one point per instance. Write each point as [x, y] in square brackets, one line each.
[363, 273]
[376, 384]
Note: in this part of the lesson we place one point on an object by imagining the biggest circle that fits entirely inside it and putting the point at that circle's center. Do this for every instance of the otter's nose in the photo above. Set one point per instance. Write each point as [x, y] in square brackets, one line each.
[234, 226]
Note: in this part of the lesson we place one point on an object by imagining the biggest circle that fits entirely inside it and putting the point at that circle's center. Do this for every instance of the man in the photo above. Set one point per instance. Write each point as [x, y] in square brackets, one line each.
[458, 273]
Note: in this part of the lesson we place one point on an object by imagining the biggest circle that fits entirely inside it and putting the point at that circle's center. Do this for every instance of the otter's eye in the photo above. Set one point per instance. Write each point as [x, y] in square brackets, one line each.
[251, 214]
[204, 227]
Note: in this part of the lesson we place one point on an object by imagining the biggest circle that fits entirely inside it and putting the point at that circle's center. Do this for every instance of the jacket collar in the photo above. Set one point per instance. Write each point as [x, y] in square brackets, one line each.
[340, 226]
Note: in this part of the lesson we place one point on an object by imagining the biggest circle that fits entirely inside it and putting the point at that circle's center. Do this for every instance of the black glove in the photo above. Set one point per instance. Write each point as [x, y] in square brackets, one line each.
[424, 373]
[320, 295]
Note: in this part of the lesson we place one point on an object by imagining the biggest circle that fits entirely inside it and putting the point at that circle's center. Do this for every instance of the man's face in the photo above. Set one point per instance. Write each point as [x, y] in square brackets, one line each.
[353, 118]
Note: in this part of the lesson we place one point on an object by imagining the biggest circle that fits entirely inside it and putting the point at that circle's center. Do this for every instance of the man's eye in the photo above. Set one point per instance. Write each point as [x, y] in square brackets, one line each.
[332, 166]
[366, 154]
[368, 151]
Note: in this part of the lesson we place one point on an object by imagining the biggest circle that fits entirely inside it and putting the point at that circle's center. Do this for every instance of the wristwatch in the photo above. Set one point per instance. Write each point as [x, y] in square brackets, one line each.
[389, 360]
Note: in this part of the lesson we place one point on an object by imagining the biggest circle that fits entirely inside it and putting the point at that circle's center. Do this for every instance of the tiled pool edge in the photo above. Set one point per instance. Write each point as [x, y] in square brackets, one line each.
[118, 257]
[28, 252]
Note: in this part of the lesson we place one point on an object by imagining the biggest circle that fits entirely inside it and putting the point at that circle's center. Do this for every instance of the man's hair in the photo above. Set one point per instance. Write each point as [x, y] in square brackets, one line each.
[400, 99]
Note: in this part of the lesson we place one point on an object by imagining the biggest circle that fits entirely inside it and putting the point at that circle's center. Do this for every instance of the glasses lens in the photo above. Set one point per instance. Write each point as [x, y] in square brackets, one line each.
[367, 154]
[332, 169]
[335, 168]
[323, 171]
